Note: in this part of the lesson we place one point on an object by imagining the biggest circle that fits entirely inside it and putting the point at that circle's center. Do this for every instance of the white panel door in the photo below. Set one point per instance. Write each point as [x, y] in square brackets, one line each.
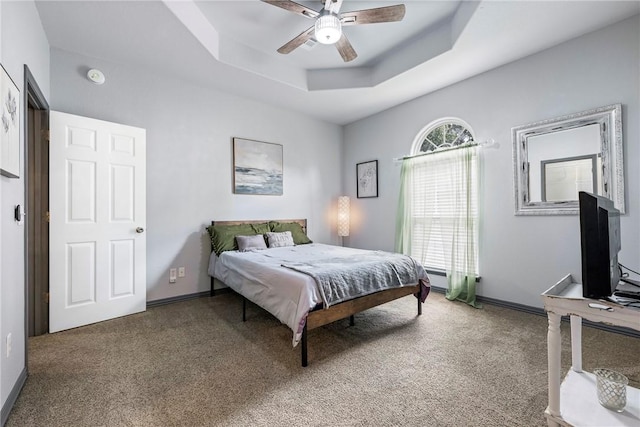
[97, 244]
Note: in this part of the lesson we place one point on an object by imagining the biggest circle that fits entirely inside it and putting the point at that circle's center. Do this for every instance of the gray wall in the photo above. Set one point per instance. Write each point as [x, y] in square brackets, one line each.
[22, 42]
[520, 257]
[189, 132]
[189, 160]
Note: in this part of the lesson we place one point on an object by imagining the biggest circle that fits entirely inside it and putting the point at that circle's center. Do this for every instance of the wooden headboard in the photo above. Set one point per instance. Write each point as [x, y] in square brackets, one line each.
[302, 222]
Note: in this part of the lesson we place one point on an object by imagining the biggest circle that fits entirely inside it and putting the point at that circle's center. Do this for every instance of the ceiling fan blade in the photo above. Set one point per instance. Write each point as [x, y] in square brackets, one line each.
[297, 41]
[374, 16]
[294, 7]
[345, 49]
[333, 6]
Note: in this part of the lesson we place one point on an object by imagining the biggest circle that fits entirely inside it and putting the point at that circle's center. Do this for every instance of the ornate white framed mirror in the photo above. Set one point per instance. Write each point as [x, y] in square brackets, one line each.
[554, 159]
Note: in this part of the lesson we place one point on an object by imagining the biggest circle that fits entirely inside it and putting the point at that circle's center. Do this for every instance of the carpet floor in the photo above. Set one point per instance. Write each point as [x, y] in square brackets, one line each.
[195, 363]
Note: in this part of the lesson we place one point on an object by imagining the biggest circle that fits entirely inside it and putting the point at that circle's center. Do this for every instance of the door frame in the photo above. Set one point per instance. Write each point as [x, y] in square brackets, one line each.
[34, 100]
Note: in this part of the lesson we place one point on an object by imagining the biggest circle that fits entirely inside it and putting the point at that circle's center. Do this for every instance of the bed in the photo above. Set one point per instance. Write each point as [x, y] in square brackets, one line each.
[308, 285]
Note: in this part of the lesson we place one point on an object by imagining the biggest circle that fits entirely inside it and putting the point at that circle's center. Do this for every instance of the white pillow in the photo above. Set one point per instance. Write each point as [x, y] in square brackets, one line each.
[251, 243]
[279, 240]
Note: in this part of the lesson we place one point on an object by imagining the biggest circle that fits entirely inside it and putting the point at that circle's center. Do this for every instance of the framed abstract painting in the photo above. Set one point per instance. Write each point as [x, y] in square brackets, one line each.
[257, 167]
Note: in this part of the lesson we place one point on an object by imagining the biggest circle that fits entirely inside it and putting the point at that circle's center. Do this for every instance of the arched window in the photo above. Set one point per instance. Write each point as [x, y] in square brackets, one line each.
[438, 214]
[443, 134]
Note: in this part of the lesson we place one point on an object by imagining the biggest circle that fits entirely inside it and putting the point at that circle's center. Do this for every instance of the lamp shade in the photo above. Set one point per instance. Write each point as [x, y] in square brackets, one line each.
[343, 216]
[328, 28]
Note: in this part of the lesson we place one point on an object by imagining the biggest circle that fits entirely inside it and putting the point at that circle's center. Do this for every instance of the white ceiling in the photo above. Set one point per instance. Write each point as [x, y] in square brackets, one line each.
[231, 45]
[266, 28]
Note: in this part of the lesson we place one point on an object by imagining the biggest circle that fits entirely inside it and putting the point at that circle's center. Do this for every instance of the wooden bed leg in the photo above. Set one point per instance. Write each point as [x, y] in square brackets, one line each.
[244, 309]
[352, 320]
[419, 306]
[303, 346]
[213, 291]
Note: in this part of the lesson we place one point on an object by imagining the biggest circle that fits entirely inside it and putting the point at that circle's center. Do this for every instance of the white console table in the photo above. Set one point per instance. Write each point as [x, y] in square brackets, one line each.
[574, 402]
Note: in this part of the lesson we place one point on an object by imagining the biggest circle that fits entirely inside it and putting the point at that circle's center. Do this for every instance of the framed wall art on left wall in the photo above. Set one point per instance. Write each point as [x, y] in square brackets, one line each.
[10, 127]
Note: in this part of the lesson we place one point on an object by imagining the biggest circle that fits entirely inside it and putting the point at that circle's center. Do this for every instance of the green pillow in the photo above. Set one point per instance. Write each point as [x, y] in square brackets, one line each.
[299, 236]
[223, 237]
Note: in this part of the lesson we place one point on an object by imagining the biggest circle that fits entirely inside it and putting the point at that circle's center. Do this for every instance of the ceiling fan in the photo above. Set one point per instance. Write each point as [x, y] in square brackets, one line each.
[329, 21]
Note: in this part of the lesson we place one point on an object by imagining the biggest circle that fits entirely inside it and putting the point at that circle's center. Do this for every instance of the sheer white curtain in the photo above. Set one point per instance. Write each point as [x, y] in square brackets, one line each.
[438, 216]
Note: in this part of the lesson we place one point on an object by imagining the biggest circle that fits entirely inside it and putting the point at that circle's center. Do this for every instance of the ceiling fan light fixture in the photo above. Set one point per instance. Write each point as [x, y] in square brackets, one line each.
[328, 29]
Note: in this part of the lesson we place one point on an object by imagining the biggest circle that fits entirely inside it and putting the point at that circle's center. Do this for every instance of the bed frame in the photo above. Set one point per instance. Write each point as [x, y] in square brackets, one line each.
[320, 316]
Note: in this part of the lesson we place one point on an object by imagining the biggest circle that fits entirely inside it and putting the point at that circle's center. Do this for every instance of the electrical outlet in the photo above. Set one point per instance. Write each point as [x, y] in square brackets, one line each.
[172, 275]
[9, 342]
[181, 272]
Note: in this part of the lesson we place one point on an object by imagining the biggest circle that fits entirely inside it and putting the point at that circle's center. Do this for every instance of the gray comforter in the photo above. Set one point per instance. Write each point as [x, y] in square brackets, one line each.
[342, 279]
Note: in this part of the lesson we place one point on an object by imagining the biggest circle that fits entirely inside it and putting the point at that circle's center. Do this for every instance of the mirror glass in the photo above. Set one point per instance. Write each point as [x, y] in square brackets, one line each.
[555, 159]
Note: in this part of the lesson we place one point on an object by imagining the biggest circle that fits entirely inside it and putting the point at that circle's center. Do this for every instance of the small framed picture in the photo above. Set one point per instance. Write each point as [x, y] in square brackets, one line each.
[367, 176]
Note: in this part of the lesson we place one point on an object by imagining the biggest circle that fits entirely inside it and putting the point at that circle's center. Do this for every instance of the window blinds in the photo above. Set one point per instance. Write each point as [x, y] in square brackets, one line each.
[443, 193]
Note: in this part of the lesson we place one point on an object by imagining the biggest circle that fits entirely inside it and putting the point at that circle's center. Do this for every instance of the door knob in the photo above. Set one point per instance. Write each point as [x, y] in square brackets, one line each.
[139, 230]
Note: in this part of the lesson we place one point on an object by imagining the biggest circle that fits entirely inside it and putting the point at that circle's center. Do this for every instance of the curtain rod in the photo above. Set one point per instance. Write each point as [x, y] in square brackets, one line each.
[484, 144]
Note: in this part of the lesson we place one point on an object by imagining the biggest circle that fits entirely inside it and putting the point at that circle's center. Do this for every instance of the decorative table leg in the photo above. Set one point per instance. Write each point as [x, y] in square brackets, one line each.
[576, 343]
[553, 350]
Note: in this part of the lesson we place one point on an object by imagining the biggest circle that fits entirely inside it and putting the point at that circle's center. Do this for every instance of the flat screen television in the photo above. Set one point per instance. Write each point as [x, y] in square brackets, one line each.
[600, 242]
